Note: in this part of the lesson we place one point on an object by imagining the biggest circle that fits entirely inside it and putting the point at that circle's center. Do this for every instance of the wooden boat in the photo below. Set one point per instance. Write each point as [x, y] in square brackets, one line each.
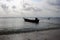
[33, 21]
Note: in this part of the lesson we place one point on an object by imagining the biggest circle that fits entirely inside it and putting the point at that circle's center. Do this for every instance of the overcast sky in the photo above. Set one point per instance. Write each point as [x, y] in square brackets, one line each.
[29, 8]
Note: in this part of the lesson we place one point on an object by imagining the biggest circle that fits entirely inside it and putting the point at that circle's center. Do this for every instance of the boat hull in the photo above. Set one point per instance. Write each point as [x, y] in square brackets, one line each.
[29, 20]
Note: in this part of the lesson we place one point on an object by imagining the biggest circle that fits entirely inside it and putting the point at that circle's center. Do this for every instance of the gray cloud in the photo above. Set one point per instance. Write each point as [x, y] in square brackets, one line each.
[54, 2]
[8, 0]
[36, 9]
[14, 7]
[5, 7]
[28, 7]
[52, 7]
[32, 9]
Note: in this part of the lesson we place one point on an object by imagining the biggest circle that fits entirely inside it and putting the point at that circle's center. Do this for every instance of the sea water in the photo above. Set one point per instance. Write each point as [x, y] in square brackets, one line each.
[19, 23]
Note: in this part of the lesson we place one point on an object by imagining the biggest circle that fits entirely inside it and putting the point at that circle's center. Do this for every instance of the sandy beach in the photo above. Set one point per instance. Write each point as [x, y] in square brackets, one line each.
[37, 35]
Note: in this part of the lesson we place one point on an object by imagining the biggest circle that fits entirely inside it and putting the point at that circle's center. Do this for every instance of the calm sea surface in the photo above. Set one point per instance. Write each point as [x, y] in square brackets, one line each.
[19, 23]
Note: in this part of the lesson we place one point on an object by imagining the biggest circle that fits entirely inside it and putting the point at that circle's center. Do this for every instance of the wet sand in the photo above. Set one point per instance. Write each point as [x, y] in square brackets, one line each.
[36, 35]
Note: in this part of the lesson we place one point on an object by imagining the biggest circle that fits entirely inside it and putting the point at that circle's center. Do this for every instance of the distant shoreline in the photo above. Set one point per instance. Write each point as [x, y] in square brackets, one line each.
[25, 30]
[30, 17]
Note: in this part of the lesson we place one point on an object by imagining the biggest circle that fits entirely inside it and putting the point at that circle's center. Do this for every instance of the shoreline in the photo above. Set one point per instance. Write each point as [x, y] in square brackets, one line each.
[25, 30]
